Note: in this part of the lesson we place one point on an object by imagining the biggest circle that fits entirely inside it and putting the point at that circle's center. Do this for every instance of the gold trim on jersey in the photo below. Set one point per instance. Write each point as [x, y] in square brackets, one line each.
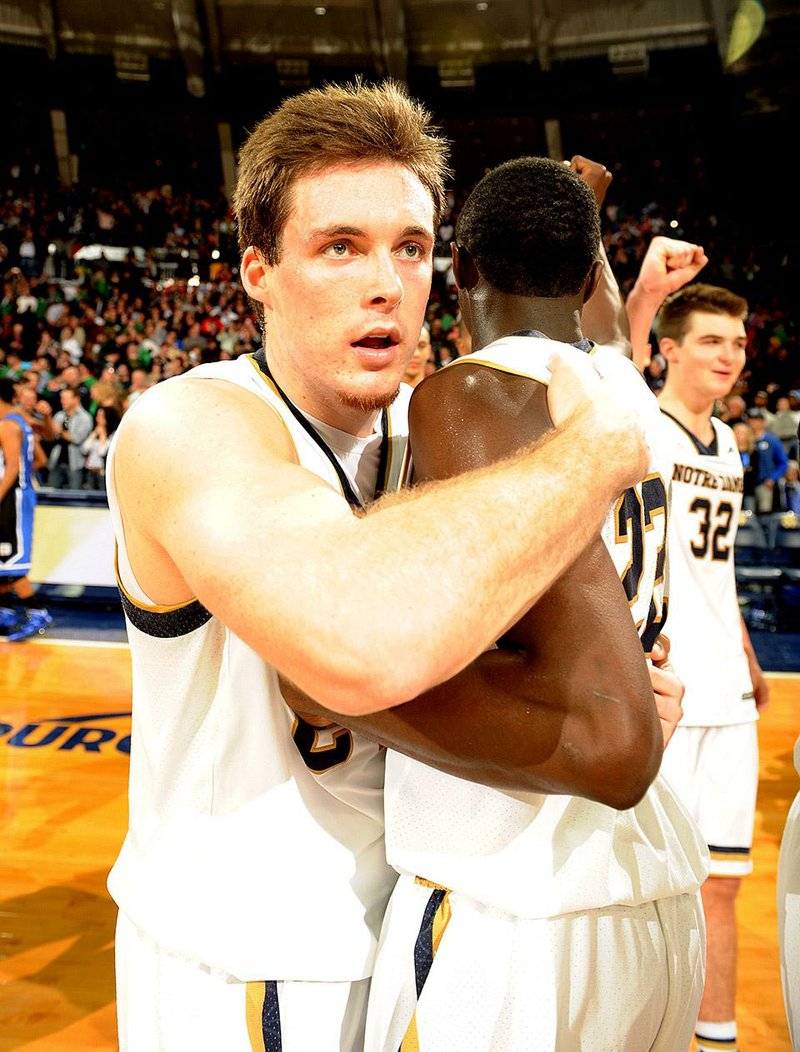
[410, 1042]
[470, 360]
[709, 1042]
[425, 883]
[153, 608]
[385, 482]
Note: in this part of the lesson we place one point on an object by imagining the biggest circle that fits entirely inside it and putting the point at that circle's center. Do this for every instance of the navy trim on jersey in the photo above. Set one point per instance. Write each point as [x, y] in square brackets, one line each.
[729, 850]
[582, 344]
[423, 948]
[166, 624]
[704, 451]
[350, 494]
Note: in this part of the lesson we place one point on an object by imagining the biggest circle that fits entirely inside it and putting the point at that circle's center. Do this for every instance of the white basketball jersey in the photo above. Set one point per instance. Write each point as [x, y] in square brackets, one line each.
[255, 842]
[534, 855]
[704, 622]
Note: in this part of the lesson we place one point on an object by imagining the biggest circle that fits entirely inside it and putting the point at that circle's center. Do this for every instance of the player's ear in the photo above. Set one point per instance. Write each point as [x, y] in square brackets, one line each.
[256, 274]
[464, 270]
[593, 280]
[669, 348]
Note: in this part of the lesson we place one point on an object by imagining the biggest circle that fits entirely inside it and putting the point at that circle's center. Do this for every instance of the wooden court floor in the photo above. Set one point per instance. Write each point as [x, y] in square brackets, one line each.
[64, 721]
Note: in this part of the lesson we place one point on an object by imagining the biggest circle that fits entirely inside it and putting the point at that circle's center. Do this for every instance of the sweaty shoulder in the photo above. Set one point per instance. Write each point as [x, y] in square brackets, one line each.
[471, 414]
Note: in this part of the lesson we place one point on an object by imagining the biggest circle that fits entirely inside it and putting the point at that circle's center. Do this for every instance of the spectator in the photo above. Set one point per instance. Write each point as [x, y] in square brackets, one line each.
[772, 461]
[746, 447]
[140, 381]
[417, 368]
[785, 425]
[96, 446]
[761, 401]
[736, 410]
[787, 495]
[655, 372]
[72, 425]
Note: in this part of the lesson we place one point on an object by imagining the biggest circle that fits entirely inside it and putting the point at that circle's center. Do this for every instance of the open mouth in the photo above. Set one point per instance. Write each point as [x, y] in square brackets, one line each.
[376, 343]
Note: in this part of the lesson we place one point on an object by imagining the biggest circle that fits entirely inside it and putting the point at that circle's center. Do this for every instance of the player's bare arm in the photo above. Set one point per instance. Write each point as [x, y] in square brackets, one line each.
[604, 319]
[760, 685]
[330, 599]
[565, 705]
[668, 265]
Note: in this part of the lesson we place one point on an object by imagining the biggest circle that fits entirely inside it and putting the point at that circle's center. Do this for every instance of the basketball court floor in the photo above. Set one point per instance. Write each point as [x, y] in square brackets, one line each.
[64, 727]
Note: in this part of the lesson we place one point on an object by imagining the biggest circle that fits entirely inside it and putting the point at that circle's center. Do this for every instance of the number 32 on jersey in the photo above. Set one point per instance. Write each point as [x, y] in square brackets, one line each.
[640, 528]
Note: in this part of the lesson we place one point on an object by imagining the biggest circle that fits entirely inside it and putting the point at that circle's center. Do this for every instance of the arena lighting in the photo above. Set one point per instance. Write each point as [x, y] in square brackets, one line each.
[482, 7]
[747, 25]
[184, 253]
[215, 254]
[320, 10]
[51, 249]
[673, 223]
[193, 281]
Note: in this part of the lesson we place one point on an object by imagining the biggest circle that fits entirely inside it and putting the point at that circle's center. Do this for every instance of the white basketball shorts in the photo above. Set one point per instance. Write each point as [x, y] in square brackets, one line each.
[455, 976]
[714, 772]
[167, 1003]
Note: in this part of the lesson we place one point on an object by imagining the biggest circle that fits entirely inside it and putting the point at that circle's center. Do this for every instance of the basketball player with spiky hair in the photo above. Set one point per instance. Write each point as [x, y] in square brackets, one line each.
[252, 882]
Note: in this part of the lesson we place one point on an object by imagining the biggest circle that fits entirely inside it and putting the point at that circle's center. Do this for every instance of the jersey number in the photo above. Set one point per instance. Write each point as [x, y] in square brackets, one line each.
[320, 758]
[716, 541]
[635, 517]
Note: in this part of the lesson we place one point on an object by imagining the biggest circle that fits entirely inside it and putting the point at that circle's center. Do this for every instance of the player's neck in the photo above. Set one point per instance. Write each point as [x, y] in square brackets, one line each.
[693, 412]
[500, 314]
[322, 404]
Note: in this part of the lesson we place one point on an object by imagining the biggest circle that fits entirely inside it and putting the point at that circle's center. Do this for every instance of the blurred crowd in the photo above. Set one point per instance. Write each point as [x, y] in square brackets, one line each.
[105, 293]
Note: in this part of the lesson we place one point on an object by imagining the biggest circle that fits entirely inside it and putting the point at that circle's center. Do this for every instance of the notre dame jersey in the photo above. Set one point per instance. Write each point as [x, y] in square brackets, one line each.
[535, 855]
[704, 621]
[255, 841]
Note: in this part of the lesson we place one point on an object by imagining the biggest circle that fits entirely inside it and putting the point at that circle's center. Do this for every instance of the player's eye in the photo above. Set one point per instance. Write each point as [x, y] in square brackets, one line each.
[412, 250]
[337, 249]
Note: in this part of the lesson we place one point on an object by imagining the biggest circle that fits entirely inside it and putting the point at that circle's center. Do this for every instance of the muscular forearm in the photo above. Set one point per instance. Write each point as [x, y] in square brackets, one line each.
[478, 726]
[566, 706]
[518, 526]
[452, 565]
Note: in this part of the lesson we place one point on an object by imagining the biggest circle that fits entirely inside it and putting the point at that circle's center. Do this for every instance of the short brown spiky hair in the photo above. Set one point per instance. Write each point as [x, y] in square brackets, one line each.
[335, 124]
[672, 320]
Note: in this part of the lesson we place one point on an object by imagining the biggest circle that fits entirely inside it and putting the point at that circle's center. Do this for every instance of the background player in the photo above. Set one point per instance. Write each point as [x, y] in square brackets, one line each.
[252, 880]
[713, 760]
[18, 451]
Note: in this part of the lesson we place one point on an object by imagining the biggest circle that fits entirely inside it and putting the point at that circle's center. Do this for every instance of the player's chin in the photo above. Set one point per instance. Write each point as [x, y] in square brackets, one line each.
[371, 392]
[370, 402]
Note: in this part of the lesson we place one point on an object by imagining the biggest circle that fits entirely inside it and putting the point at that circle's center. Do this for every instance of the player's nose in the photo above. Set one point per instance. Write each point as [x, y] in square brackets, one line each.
[384, 287]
